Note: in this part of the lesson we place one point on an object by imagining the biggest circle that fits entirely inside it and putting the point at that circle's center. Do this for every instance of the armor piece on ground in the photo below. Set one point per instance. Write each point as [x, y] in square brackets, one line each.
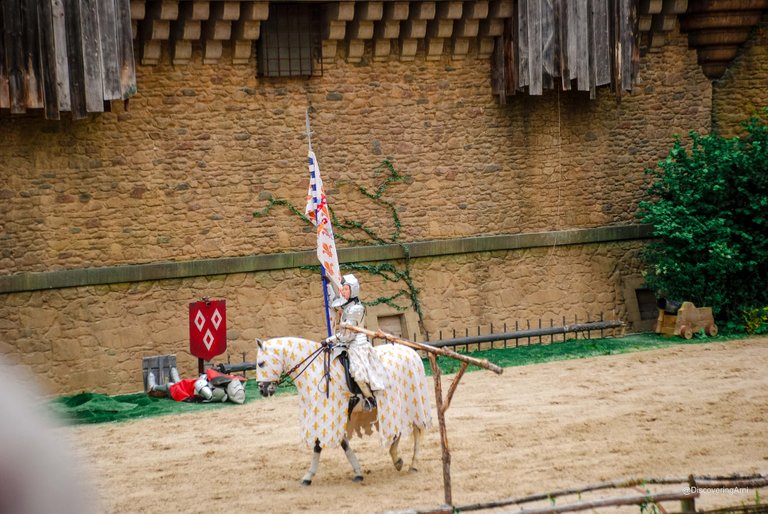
[236, 392]
[213, 386]
[218, 395]
[153, 389]
[203, 388]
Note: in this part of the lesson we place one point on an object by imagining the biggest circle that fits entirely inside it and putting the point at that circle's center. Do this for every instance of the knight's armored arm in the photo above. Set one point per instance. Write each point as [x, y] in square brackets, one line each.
[354, 314]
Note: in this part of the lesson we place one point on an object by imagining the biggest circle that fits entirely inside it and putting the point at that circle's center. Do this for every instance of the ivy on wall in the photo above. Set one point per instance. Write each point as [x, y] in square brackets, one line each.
[361, 233]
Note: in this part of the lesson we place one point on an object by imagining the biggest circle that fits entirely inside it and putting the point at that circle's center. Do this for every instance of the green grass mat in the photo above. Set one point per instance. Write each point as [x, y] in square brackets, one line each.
[99, 408]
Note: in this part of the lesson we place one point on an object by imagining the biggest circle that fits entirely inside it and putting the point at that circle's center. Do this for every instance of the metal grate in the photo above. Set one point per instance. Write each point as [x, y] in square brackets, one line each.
[290, 43]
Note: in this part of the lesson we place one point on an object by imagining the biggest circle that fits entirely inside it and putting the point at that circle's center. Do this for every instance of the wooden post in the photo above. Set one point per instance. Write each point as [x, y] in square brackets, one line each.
[688, 504]
[446, 453]
[441, 405]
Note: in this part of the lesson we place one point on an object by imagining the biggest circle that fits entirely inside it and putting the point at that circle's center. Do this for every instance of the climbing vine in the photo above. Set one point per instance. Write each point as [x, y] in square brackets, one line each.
[356, 232]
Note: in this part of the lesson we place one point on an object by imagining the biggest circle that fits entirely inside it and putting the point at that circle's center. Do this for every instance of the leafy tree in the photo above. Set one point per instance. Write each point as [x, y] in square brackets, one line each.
[709, 209]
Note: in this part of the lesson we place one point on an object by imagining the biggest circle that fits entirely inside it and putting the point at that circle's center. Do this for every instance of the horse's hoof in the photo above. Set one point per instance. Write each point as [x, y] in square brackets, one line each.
[399, 464]
[358, 478]
[413, 470]
[306, 482]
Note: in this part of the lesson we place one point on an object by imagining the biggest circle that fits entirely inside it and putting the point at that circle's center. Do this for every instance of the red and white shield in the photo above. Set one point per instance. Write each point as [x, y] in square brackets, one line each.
[208, 328]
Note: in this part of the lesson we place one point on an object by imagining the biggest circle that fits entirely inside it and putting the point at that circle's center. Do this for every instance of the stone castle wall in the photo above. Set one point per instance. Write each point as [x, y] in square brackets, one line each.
[743, 90]
[178, 175]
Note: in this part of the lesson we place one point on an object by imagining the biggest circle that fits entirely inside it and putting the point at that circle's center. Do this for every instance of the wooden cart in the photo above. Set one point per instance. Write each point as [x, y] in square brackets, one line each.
[688, 320]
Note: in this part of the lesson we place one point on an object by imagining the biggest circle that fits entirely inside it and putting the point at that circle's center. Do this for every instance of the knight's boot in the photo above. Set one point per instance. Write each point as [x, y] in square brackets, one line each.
[153, 389]
[175, 375]
[369, 401]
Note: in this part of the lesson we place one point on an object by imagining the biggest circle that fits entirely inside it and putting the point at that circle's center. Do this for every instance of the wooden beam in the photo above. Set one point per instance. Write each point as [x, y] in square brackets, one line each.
[414, 29]
[62, 63]
[630, 49]
[450, 10]
[341, 11]
[663, 22]
[535, 58]
[218, 28]
[674, 6]
[360, 29]
[138, 9]
[434, 47]
[5, 102]
[651, 6]
[108, 33]
[601, 48]
[422, 11]
[125, 57]
[369, 10]
[467, 27]
[47, 60]
[396, 11]
[32, 72]
[501, 9]
[696, 6]
[91, 46]
[476, 9]
[387, 29]
[14, 54]
[75, 59]
[440, 27]
[187, 28]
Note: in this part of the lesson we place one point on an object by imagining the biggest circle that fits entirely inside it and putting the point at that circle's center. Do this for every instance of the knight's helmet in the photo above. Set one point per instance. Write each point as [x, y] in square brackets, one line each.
[354, 285]
[202, 388]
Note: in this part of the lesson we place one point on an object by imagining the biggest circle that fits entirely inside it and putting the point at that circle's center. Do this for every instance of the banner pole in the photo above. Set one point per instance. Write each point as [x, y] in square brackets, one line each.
[322, 270]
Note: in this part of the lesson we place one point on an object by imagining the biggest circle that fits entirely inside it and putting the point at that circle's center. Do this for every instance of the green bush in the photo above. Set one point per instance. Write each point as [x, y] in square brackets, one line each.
[709, 209]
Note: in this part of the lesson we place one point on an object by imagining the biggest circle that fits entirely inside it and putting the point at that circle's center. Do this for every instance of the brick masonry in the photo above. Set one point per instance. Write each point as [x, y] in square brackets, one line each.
[178, 174]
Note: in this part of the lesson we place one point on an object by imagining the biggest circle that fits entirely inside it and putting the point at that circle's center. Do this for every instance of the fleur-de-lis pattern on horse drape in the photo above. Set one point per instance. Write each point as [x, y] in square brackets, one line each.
[323, 417]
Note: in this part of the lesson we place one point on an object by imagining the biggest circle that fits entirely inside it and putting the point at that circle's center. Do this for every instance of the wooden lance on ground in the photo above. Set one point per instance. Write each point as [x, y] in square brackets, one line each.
[442, 404]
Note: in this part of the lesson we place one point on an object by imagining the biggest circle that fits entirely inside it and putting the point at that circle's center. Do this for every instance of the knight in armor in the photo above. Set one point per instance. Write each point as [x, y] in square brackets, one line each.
[211, 386]
[364, 365]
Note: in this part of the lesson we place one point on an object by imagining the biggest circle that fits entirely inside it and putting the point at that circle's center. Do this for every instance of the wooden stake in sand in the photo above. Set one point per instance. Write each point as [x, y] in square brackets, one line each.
[442, 404]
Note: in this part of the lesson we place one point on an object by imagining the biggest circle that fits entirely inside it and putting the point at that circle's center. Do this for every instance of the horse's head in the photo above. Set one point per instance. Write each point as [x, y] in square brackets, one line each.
[269, 367]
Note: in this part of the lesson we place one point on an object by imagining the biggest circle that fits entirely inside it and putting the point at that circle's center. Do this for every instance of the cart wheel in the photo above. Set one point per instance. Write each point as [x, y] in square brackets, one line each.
[686, 332]
[712, 330]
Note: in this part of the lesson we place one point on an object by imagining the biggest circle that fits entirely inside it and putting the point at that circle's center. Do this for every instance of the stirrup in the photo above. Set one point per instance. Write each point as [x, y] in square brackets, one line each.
[369, 404]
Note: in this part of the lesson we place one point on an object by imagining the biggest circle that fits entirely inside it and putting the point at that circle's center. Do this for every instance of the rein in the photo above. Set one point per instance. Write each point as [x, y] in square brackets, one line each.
[311, 357]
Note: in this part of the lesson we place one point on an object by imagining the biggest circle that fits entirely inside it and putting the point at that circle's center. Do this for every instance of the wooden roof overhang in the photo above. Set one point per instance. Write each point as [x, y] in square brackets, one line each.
[77, 55]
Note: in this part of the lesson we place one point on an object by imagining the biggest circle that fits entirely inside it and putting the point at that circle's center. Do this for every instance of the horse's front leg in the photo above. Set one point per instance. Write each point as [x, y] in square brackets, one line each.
[352, 458]
[307, 480]
[396, 460]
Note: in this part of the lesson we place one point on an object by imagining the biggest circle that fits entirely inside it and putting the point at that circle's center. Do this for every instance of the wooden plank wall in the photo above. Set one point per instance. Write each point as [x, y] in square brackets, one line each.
[584, 43]
[65, 55]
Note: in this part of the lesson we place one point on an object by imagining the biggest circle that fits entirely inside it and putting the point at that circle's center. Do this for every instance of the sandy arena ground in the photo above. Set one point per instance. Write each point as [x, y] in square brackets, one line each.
[700, 409]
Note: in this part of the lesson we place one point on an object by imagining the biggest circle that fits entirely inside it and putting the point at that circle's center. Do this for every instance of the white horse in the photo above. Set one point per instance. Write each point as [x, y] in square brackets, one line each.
[401, 409]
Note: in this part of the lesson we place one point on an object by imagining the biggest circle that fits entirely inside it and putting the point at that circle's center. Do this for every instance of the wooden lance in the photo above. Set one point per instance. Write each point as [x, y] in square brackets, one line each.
[442, 403]
[481, 363]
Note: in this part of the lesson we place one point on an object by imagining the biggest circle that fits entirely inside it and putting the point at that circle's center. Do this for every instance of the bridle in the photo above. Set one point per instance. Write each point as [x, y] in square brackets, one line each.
[324, 347]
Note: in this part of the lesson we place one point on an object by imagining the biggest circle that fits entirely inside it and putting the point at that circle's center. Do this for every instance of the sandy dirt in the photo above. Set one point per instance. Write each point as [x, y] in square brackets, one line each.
[700, 409]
